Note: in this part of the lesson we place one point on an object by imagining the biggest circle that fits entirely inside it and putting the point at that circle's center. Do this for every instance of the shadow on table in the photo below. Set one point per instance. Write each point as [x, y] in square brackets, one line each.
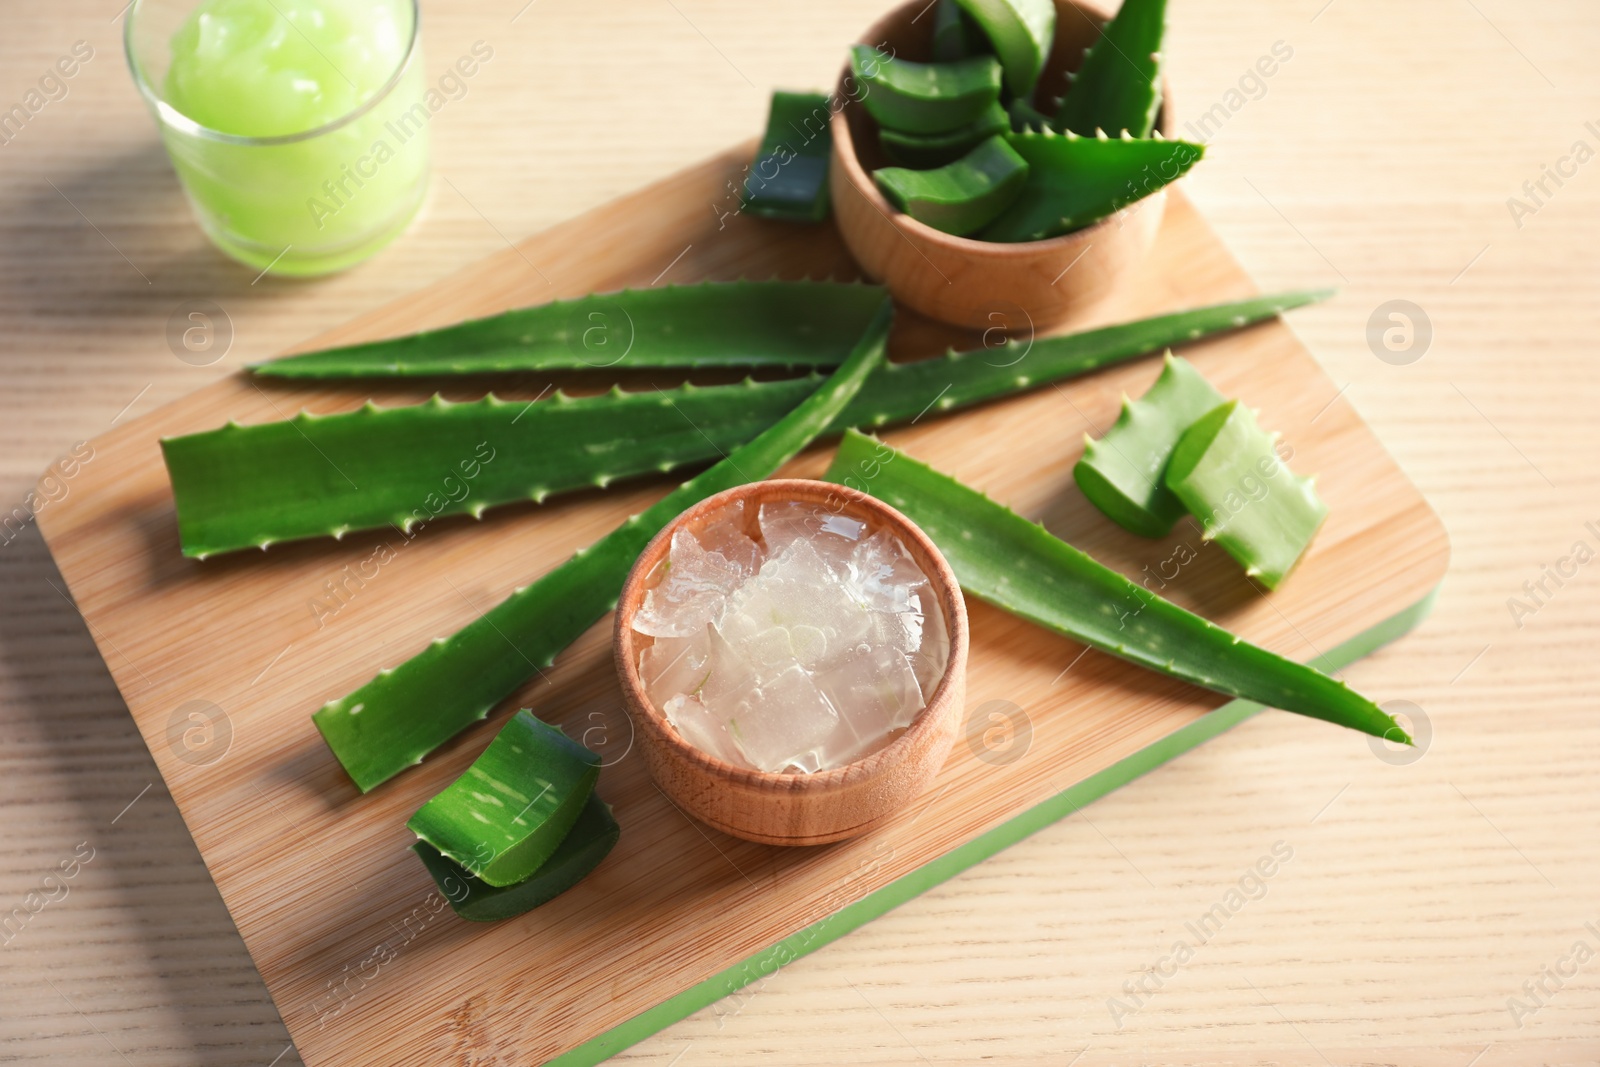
[124, 218]
[151, 904]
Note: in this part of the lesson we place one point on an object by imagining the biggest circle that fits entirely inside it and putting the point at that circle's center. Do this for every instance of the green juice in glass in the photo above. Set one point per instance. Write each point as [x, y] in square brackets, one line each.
[299, 128]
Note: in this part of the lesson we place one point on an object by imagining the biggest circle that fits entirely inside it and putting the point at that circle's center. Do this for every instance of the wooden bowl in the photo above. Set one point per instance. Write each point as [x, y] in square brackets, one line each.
[797, 809]
[981, 284]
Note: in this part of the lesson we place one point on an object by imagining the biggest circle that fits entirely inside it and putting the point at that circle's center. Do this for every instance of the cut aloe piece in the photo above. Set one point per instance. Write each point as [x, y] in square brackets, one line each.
[1024, 116]
[505, 816]
[322, 475]
[927, 150]
[588, 842]
[403, 714]
[1002, 558]
[955, 36]
[1118, 85]
[789, 178]
[1122, 473]
[722, 324]
[1022, 33]
[1073, 181]
[958, 197]
[925, 97]
[1227, 473]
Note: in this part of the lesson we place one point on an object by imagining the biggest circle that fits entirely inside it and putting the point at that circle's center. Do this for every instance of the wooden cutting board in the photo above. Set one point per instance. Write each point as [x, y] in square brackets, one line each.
[222, 663]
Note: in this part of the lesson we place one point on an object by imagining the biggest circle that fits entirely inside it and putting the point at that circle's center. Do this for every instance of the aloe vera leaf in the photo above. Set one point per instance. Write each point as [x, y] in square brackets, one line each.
[788, 179]
[589, 841]
[403, 714]
[1118, 85]
[1122, 473]
[1024, 116]
[1002, 558]
[1073, 181]
[955, 36]
[505, 816]
[958, 197]
[739, 324]
[925, 97]
[926, 150]
[324, 475]
[1227, 473]
[1022, 33]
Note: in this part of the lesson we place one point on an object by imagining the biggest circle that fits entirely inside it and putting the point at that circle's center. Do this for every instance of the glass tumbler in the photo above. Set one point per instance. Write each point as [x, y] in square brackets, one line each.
[301, 203]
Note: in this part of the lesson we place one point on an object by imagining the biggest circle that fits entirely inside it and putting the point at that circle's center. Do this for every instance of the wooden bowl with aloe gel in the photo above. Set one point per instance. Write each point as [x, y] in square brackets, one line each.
[795, 807]
[966, 281]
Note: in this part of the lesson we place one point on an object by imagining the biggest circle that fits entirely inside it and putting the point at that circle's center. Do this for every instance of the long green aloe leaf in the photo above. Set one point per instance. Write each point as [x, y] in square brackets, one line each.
[588, 842]
[323, 475]
[1118, 85]
[405, 713]
[722, 324]
[1017, 565]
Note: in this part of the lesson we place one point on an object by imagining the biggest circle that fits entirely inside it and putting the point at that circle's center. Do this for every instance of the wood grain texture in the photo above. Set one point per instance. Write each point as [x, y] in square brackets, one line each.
[1421, 897]
[222, 661]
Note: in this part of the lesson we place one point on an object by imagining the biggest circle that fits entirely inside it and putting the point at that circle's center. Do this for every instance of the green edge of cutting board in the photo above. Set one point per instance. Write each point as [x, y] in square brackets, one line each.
[832, 927]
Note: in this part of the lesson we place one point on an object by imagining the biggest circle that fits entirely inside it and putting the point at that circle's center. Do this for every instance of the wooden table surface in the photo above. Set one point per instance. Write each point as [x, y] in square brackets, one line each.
[1437, 911]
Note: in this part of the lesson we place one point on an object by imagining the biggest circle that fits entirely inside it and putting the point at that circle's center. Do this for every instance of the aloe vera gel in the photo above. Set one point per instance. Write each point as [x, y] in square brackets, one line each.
[795, 639]
[297, 127]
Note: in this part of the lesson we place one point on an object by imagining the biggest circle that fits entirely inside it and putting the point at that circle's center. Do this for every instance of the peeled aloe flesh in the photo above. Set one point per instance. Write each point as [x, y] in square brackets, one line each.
[1073, 181]
[405, 713]
[1227, 473]
[323, 475]
[1021, 32]
[506, 815]
[721, 324]
[962, 196]
[1123, 473]
[924, 97]
[1118, 85]
[789, 178]
[589, 841]
[1017, 565]
[936, 149]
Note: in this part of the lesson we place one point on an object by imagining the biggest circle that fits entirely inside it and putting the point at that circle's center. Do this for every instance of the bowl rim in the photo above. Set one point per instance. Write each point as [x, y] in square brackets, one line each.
[940, 576]
[862, 183]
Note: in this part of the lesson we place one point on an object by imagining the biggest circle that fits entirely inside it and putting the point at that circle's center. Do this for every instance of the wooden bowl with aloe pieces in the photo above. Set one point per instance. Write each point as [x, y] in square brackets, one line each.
[796, 807]
[1027, 215]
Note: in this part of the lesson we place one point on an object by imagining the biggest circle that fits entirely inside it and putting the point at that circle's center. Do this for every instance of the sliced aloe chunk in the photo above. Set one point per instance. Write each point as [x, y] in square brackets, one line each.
[1122, 473]
[1022, 33]
[403, 714]
[589, 841]
[1228, 474]
[322, 475]
[1024, 116]
[925, 97]
[789, 178]
[505, 816]
[1118, 85]
[958, 197]
[1073, 181]
[1002, 558]
[723, 324]
[955, 36]
[926, 150]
